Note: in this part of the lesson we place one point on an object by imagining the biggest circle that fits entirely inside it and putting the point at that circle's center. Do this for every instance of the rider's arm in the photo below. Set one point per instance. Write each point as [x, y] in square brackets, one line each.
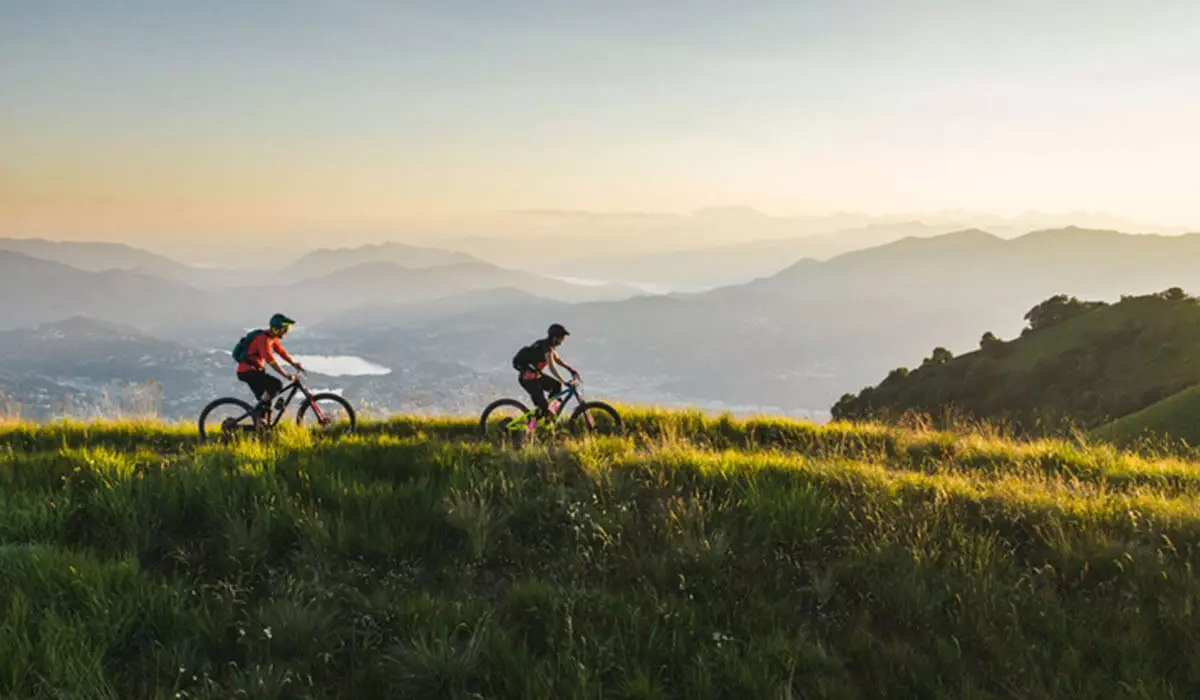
[269, 350]
[558, 360]
[284, 354]
[551, 356]
[275, 365]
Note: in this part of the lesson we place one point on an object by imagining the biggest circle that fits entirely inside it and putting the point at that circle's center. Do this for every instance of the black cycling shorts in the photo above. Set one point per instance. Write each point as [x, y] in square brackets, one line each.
[539, 387]
[261, 383]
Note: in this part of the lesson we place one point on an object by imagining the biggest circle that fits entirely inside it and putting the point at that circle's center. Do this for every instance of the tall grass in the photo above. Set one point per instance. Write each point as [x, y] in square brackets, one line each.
[694, 558]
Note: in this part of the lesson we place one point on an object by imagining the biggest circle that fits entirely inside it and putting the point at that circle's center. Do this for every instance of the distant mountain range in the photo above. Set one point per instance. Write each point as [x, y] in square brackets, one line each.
[372, 284]
[733, 264]
[44, 291]
[41, 291]
[801, 337]
[320, 263]
[89, 256]
[103, 257]
[975, 266]
[565, 242]
[794, 340]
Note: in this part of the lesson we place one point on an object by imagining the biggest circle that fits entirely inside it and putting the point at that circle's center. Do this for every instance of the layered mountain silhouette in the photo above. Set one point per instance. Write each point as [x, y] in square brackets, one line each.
[742, 262]
[327, 261]
[90, 256]
[39, 291]
[796, 339]
[977, 265]
[42, 291]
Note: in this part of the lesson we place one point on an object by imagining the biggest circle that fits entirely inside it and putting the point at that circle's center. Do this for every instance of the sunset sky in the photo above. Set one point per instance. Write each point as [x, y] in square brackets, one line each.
[259, 118]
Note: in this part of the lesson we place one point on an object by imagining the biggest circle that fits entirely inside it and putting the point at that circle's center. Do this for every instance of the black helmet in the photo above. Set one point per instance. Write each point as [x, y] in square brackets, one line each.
[556, 330]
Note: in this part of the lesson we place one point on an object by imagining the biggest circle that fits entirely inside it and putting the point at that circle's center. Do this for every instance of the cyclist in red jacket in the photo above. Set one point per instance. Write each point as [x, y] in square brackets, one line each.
[262, 350]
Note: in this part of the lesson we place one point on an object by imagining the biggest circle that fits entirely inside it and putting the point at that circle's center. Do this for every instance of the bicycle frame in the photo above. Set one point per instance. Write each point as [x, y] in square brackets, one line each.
[291, 390]
[528, 420]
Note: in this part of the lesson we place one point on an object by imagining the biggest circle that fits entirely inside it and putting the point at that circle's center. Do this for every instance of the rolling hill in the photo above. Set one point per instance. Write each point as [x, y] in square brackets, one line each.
[1080, 365]
[695, 557]
[1175, 419]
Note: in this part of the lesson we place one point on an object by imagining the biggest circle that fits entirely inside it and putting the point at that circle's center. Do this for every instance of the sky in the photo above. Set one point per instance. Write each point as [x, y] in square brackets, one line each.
[258, 119]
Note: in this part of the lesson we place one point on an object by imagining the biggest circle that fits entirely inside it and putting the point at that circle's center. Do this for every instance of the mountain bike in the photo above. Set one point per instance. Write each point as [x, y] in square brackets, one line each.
[498, 419]
[325, 409]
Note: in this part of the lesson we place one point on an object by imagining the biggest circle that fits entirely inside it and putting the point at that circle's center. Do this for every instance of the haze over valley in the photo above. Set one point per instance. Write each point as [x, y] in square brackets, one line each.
[434, 329]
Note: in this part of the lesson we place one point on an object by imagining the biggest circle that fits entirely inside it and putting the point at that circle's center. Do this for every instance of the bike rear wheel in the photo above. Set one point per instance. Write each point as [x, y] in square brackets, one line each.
[597, 418]
[496, 420]
[225, 419]
[334, 417]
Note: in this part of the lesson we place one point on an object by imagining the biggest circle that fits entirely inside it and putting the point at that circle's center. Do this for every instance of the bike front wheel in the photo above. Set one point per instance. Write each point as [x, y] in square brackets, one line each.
[225, 419]
[331, 413]
[597, 418]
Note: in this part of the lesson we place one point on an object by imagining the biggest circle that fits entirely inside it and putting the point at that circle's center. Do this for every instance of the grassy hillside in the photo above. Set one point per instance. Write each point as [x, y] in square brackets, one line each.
[1085, 369]
[1175, 418]
[697, 558]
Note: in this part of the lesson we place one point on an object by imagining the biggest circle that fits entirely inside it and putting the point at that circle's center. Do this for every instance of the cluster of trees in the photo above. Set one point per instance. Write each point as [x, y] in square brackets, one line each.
[1118, 358]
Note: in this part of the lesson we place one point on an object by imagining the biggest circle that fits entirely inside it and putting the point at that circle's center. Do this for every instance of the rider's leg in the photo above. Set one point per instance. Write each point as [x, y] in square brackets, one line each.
[265, 388]
[532, 384]
[271, 388]
[551, 386]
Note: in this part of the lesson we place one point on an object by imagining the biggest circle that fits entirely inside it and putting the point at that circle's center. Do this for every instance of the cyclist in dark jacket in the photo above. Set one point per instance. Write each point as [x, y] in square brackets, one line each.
[532, 361]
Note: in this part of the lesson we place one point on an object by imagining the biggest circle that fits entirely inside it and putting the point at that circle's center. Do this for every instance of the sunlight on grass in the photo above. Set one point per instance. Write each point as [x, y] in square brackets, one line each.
[693, 556]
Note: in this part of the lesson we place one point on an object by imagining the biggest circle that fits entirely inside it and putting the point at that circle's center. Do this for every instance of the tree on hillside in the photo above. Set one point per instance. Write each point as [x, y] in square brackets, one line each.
[894, 376]
[1057, 309]
[988, 340]
[1173, 294]
[844, 409]
[940, 356]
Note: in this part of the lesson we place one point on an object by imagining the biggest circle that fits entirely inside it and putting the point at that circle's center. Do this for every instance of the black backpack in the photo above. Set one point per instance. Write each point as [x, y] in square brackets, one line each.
[528, 356]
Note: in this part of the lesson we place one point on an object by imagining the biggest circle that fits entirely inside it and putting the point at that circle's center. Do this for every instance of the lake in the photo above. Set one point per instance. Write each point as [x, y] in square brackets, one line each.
[341, 366]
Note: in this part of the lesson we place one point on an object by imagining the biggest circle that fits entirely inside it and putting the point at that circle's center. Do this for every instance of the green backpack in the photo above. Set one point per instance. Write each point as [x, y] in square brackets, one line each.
[243, 345]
